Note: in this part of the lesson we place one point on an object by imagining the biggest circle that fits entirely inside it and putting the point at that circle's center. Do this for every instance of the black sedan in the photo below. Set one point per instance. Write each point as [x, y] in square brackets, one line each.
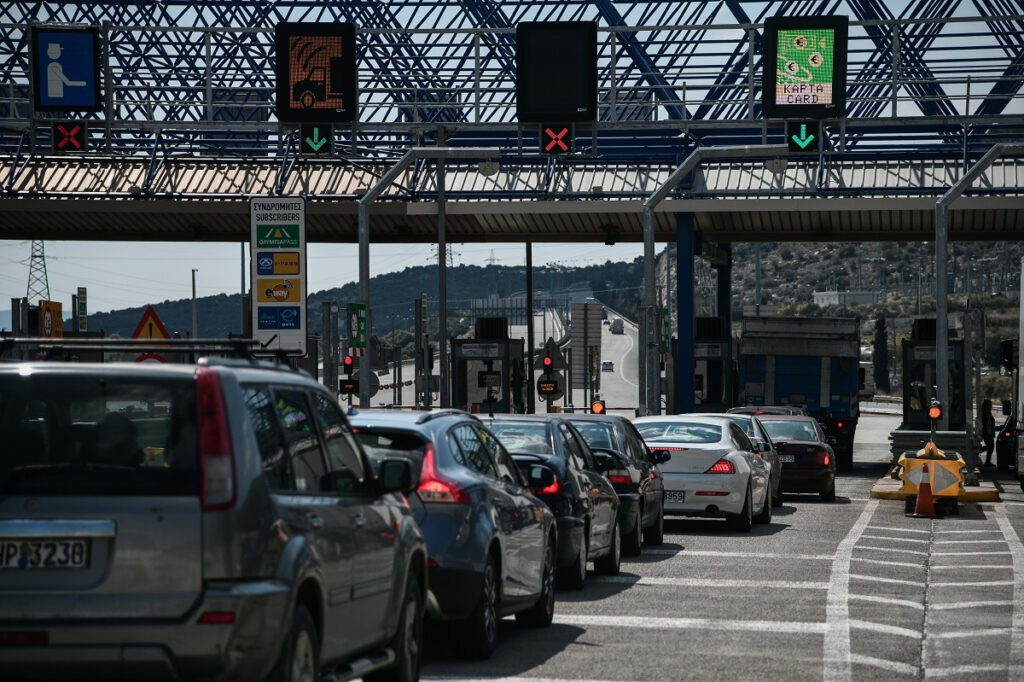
[583, 500]
[633, 473]
[808, 461]
[1006, 444]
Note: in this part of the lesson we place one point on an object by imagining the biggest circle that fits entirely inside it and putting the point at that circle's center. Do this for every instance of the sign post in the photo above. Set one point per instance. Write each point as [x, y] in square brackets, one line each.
[278, 274]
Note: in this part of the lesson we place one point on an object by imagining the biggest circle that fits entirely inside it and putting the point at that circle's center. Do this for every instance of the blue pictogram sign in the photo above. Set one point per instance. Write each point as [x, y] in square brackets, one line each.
[286, 317]
[66, 69]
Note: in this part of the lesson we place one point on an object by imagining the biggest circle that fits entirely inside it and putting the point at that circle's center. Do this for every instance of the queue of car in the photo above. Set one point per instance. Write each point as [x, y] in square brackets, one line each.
[229, 520]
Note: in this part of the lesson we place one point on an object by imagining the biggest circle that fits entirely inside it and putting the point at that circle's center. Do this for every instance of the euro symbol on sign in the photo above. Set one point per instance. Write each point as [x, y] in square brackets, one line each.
[556, 139]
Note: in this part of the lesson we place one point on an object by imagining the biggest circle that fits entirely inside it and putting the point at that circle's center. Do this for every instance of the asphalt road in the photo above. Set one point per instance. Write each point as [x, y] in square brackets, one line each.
[850, 590]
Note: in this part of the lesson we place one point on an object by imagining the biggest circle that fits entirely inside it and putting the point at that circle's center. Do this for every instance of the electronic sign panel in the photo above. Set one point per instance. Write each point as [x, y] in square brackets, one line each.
[66, 68]
[556, 71]
[316, 72]
[803, 74]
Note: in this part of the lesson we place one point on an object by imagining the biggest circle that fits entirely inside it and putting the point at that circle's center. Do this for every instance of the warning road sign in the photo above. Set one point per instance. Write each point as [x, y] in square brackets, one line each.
[150, 326]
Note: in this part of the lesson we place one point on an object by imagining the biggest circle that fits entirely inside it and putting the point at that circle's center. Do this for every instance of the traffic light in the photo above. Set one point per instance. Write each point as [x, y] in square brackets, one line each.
[350, 365]
[597, 407]
[547, 361]
[935, 410]
[1007, 357]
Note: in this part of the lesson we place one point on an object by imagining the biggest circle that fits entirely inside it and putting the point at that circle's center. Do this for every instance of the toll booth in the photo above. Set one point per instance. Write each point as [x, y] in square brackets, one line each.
[919, 378]
[489, 374]
[713, 375]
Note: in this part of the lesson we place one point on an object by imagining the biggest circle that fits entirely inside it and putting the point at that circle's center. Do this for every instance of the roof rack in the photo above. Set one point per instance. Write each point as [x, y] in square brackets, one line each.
[72, 348]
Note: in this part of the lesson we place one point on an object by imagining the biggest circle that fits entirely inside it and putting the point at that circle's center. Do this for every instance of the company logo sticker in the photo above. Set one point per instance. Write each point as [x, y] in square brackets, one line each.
[277, 291]
[277, 236]
[287, 317]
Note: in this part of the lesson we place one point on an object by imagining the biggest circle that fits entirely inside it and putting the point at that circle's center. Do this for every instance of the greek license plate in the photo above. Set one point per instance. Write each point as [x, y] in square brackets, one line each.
[675, 496]
[44, 553]
[787, 458]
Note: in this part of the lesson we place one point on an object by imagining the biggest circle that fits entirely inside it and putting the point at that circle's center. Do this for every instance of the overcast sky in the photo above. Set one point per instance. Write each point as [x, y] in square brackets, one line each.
[121, 275]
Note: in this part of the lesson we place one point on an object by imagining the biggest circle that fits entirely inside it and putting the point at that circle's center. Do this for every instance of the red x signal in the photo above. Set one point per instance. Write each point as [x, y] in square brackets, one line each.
[68, 136]
[556, 139]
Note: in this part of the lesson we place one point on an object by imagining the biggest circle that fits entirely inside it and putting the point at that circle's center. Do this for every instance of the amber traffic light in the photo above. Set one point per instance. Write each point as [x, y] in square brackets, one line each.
[597, 407]
[935, 411]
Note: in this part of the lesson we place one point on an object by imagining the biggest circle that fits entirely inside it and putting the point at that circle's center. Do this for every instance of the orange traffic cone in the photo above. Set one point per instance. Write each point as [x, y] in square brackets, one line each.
[924, 508]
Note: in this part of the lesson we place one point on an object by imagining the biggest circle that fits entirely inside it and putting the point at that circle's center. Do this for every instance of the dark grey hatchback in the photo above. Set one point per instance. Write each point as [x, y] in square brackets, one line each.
[583, 500]
[491, 543]
[215, 521]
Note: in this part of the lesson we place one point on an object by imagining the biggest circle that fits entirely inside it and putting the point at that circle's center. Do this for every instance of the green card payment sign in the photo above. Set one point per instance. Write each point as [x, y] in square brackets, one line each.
[804, 67]
[277, 236]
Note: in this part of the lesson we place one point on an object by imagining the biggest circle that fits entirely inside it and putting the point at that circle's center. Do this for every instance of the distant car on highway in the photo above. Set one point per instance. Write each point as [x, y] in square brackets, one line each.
[607, 366]
[808, 461]
[583, 500]
[714, 470]
[491, 544]
[617, 326]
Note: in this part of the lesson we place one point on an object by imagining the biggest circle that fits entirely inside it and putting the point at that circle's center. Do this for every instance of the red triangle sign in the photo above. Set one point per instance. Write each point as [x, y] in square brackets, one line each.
[150, 327]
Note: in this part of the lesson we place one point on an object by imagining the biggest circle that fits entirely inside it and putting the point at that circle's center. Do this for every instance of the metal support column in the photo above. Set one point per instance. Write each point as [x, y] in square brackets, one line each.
[442, 287]
[684, 314]
[531, 404]
[724, 311]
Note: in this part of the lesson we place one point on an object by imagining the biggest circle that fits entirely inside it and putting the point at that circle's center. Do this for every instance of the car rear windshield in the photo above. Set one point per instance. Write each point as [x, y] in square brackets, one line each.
[596, 435]
[523, 437]
[94, 436]
[785, 430]
[381, 443]
[679, 432]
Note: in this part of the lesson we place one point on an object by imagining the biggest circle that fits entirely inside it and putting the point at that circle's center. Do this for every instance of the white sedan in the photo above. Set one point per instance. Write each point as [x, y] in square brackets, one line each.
[714, 470]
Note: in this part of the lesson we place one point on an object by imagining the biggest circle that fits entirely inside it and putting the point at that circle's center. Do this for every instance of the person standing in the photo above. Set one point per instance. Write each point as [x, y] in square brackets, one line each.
[988, 430]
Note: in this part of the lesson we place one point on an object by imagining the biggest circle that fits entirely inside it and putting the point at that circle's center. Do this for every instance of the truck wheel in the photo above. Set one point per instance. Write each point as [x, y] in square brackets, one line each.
[307, 99]
[1003, 461]
[845, 461]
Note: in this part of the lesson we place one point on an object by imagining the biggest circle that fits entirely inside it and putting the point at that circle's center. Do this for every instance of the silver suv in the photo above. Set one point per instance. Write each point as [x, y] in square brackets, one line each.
[207, 521]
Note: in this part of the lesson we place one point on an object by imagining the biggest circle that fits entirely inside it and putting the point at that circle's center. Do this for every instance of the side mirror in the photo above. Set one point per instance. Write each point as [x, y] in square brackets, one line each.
[605, 461]
[660, 456]
[1007, 408]
[396, 475]
[832, 440]
[780, 445]
[539, 476]
[763, 446]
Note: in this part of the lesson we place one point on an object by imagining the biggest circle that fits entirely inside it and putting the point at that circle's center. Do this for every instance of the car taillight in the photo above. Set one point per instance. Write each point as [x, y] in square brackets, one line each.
[839, 425]
[216, 459]
[618, 476]
[823, 454]
[552, 489]
[433, 487]
[722, 466]
[1007, 434]
[217, 618]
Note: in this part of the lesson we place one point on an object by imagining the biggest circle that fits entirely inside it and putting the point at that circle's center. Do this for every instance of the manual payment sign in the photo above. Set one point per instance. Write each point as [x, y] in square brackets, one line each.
[278, 274]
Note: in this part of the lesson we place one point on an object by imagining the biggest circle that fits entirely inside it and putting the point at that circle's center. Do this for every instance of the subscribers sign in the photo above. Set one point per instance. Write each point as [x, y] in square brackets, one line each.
[278, 274]
[316, 72]
[804, 67]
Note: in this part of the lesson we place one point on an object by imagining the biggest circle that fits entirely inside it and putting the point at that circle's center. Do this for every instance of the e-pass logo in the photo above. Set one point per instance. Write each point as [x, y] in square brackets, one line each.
[271, 263]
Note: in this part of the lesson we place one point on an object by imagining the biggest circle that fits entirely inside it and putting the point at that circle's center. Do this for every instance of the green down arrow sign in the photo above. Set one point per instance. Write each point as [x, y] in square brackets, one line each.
[313, 141]
[799, 140]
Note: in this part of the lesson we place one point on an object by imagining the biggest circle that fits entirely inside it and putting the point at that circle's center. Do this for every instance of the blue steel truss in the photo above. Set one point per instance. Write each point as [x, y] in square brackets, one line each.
[195, 78]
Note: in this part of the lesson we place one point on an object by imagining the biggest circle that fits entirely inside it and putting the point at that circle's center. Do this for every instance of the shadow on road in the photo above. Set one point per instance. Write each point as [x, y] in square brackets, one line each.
[519, 649]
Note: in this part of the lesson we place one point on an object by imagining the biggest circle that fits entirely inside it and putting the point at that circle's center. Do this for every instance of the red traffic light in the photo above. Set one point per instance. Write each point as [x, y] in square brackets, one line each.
[548, 362]
[348, 361]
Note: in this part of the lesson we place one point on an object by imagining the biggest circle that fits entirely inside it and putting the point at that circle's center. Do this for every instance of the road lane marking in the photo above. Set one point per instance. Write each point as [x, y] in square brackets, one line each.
[884, 562]
[653, 623]
[904, 669]
[710, 582]
[970, 553]
[892, 549]
[891, 581]
[965, 583]
[969, 542]
[970, 604]
[898, 530]
[967, 569]
[882, 537]
[888, 600]
[836, 652]
[960, 634]
[683, 553]
[960, 670]
[1016, 659]
[886, 629]
[972, 532]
